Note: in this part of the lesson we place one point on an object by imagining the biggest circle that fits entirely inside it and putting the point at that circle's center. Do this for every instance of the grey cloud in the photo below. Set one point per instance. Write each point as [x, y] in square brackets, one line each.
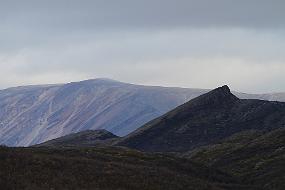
[134, 47]
[38, 22]
[201, 43]
[190, 58]
[147, 13]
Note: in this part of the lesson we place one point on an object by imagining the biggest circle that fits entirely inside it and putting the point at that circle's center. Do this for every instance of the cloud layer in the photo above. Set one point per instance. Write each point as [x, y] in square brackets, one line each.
[189, 43]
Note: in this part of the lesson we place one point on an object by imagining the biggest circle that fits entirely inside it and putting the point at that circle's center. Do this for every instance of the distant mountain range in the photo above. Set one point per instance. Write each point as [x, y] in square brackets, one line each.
[34, 114]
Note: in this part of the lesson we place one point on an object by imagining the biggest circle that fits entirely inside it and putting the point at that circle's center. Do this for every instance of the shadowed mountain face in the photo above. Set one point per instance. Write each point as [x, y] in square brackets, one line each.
[205, 120]
[34, 114]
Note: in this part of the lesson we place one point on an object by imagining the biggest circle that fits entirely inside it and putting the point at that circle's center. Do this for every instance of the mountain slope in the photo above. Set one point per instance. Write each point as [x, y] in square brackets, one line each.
[256, 157]
[34, 114]
[107, 168]
[205, 120]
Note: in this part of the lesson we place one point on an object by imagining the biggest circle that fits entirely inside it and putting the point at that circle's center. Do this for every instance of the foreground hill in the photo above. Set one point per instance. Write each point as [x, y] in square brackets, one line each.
[86, 138]
[34, 114]
[106, 168]
[256, 157]
[205, 120]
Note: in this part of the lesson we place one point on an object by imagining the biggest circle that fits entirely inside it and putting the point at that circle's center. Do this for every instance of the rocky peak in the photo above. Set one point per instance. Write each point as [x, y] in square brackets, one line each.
[219, 95]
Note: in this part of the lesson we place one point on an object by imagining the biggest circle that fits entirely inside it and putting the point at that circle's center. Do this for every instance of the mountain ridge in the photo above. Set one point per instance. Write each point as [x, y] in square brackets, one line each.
[204, 120]
[34, 114]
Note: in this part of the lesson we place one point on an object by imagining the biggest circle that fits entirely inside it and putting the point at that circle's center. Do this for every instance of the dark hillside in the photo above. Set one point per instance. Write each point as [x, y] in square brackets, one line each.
[256, 157]
[205, 120]
[80, 139]
[107, 168]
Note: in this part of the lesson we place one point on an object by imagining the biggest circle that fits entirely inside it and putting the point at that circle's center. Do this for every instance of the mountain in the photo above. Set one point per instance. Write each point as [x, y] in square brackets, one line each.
[256, 157]
[106, 168]
[204, 120]
[243, 139]
[84, 138]
[34, 114]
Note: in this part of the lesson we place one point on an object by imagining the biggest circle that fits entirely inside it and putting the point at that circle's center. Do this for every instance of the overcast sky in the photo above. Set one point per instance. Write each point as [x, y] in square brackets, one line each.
[186, 43]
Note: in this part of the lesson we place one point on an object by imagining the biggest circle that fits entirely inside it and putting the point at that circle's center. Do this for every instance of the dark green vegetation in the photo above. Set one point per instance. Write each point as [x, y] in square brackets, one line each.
[84, 138]
[205, 120]
[255, 157]
[105, 168]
